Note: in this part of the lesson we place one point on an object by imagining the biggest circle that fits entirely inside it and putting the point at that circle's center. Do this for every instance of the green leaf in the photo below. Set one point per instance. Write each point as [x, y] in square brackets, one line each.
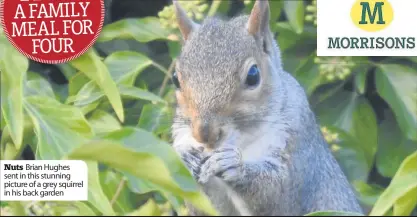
[17, 208]
[368, 194]
[143, 141]
[402, 186]
[393, 147]
[139, 93]
[57, 134]
[405, 205]
[139, 186]
[74, 208]
[88, 94]
[96, 70]
[143, 30]
[360, 81]
[13, 67]
[103, 122]
[286, 38]
[67, 70]
[9, 151]
[276, 12]
[76, 83]
[143, 165]
[156, 118]
[89, 108]
[150, 208]
[333, 213]
[125, 66]
[150, 144]
[414, 59]
[397, 85]
[354, 115]
[37, 85]
[3, 122]
[351, 157]
[174, 48]
[294, 11]
[308, 74]
[96, 195]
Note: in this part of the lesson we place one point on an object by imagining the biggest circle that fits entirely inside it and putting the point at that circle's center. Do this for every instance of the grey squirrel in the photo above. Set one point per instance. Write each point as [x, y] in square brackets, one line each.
[243, 125]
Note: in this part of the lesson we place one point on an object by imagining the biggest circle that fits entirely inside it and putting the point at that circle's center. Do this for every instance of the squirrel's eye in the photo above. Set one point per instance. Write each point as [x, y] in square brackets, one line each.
[175, 80]
[252, 80]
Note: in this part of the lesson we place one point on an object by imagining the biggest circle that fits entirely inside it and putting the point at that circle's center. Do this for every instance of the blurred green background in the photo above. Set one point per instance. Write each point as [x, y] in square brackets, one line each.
[113, 107]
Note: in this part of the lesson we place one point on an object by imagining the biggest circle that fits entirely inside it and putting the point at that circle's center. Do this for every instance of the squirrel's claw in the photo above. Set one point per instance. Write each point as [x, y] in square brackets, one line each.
[192, 161]
[226, 163]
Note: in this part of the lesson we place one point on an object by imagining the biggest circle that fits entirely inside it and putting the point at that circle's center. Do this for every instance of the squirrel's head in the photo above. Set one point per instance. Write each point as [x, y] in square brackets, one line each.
[224, 72]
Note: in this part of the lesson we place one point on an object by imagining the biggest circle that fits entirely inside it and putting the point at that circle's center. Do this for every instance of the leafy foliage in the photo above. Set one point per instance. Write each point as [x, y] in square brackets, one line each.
[115, 108]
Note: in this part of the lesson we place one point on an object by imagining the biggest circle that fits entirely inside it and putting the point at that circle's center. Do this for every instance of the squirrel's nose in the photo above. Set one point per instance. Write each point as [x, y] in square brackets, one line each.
[204, 132]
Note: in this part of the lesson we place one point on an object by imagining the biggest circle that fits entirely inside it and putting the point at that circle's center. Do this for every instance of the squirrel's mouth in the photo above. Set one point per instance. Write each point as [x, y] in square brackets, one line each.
[223, 137]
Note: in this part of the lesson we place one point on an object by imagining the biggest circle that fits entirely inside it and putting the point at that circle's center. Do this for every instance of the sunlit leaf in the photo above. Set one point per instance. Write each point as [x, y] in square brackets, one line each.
[295, 14]
[73, 208]
[96, 195]
[57, 134]
[143, 165]
[142, 141]
[9, 151]
[138, 93]
[36, 85]
[88, 94]
[397, 85]
[96, 70]
[17, 208]
[12, 80]
[405, 205]
[150, 208]
[103, 122]
[125, 66]
[143, 30]
[402, 185]
[76, 83]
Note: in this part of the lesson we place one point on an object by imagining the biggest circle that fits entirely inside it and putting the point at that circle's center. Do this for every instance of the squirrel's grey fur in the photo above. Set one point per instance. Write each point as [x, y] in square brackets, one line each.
[271, 158]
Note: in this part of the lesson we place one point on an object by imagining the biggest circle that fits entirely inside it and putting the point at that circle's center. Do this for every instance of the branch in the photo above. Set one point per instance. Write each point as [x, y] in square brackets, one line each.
[118, 191]
[167, 77]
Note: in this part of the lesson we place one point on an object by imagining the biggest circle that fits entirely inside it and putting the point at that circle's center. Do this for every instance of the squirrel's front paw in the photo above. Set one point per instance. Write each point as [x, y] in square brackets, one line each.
[192, 161]
[225, 162]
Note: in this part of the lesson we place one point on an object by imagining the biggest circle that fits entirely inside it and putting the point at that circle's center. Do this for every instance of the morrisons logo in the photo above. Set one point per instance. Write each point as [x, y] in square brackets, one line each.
[372, 16]
[377, 11]
[372, 43]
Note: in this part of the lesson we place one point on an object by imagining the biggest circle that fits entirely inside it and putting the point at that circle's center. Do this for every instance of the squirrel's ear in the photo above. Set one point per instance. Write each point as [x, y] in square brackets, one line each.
[185, 24]
[258, 21]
